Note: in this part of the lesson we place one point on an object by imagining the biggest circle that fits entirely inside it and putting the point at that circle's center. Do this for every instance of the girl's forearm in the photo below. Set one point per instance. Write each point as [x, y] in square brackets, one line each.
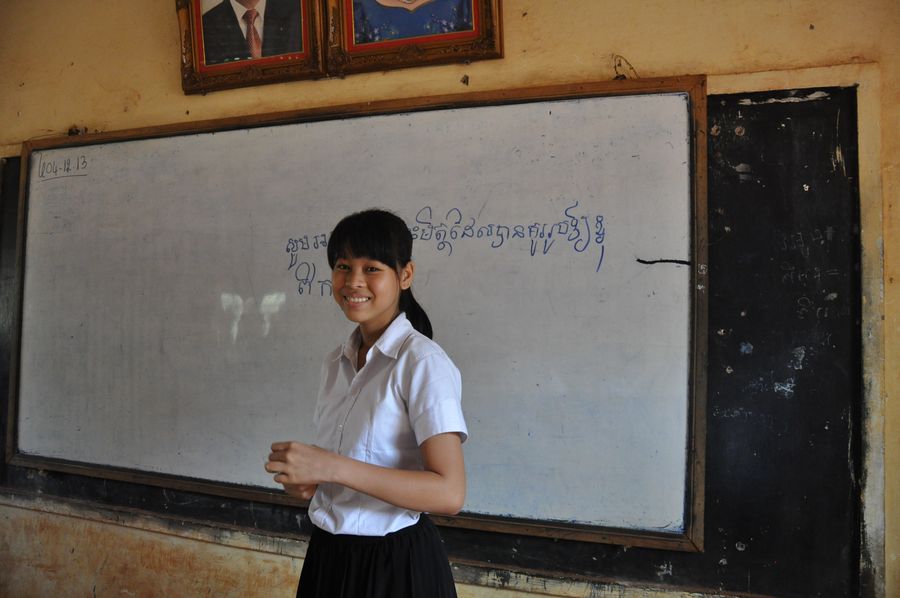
[426, 491]
[439, 488]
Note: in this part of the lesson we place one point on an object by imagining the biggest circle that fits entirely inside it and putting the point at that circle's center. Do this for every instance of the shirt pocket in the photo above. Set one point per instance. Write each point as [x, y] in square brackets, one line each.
[392, 443]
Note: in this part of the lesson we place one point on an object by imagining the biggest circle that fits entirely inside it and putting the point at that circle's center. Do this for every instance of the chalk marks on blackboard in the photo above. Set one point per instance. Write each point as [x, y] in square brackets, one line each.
[816, 299]
[798, 354]
[576, 230]
[802, 240]
[811, 308]
[793, 276]
[786, 388]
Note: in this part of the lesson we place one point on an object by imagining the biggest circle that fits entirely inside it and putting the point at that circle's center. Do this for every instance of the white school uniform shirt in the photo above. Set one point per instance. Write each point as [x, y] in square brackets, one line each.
[408, 391]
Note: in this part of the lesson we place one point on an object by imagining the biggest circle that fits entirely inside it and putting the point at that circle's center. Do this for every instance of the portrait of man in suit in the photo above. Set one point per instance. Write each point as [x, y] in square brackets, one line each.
[249, 29]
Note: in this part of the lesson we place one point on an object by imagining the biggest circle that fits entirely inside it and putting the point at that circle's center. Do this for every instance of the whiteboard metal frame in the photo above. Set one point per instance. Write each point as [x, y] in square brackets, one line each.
[694, 86]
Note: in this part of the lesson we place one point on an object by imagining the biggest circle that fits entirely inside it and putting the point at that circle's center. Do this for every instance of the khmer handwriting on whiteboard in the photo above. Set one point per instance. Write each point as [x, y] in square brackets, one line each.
[577, 231]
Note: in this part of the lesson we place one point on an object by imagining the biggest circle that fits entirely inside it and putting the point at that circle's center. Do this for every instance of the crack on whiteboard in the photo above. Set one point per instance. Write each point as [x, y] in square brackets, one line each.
[663, 261]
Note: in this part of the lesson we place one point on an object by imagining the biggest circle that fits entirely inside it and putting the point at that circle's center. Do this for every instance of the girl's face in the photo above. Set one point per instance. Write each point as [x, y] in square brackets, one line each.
[368, 291]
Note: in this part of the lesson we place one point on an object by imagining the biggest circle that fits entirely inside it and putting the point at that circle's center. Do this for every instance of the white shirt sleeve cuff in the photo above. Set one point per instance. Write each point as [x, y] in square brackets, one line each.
[445, 416]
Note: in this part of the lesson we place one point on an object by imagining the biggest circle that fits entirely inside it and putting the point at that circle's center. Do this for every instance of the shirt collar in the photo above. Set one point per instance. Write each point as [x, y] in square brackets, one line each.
[388, 344]
[239, 11]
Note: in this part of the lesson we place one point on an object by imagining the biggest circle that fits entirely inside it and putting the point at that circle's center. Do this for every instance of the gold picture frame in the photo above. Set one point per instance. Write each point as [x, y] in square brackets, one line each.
[372, 35]
[214, 47]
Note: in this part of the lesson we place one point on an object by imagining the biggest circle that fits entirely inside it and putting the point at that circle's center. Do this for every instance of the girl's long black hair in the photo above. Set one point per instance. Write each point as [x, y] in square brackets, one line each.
[383, 236]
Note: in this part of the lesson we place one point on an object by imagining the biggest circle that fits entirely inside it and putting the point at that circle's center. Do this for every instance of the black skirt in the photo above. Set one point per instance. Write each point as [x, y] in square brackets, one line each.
[409, 563]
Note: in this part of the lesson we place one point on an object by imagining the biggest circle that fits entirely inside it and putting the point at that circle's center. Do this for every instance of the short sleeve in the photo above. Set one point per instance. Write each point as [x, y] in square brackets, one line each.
[434, 397]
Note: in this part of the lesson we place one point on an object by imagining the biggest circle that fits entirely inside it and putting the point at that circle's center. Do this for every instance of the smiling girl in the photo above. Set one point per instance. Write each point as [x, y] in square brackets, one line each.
[389, 431]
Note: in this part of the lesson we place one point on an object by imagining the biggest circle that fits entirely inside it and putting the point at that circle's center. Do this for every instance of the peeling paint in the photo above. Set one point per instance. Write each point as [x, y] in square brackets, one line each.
[816, 95]
[46, 554]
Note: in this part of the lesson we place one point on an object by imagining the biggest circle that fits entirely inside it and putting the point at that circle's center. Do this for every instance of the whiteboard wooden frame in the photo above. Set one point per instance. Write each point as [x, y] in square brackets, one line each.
[691, 539]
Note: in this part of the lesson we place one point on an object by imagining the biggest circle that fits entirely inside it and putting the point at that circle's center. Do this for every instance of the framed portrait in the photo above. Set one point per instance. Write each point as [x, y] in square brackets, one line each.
[236, 43]
[368, 35]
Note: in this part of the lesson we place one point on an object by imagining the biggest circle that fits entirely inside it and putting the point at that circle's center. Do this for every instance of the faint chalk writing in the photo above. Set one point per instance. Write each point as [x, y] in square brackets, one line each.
[809, 308]
[793, 276]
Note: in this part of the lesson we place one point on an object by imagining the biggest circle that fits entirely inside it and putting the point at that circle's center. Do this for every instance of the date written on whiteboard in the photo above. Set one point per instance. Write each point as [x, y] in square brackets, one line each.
[63, 166]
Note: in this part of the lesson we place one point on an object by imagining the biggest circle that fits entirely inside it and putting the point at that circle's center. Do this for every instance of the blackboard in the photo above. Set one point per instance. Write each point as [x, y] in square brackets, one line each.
[176, 299]
[782, 473]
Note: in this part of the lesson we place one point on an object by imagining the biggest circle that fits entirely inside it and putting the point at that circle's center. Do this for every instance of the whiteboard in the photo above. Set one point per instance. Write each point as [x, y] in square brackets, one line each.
[176, 301]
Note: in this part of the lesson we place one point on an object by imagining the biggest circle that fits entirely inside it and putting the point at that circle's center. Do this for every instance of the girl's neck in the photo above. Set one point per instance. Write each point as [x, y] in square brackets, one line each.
[368, 337]
[366, 341]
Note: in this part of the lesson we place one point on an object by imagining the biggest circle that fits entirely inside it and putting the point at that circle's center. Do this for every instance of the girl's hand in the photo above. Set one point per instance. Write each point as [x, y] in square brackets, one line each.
[297, 464]
[301, 491]
[440, 488]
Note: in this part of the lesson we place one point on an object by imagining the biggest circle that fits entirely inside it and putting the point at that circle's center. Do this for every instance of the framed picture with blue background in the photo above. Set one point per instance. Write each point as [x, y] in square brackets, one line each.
[367, 35]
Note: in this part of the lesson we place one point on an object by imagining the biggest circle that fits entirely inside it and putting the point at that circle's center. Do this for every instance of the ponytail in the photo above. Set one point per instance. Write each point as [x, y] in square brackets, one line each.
[414, 313]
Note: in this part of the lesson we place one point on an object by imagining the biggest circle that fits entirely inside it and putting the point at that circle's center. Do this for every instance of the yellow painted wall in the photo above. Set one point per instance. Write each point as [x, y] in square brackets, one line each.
[105, 66]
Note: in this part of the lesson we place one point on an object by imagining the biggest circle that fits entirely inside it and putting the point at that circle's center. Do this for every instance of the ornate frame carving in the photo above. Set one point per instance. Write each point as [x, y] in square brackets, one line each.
[198, 76]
